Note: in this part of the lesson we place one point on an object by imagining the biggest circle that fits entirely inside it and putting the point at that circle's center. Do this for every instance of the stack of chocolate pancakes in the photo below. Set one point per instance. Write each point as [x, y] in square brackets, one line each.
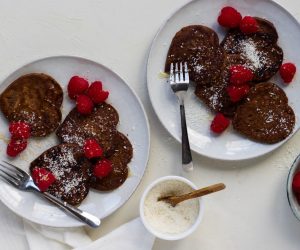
[73, 172]
[209, 64]
[36, 99]
[101, 125]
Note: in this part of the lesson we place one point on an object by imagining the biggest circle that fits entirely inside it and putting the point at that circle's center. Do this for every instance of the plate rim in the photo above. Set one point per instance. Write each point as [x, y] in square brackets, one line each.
[74, 222]
[177, 137]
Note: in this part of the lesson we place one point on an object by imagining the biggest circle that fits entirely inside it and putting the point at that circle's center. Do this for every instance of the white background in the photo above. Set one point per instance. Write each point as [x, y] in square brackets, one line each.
[253, 212]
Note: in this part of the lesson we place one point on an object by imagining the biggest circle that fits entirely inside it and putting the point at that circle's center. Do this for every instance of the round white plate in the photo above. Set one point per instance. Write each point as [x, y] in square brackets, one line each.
[133, 122]
[229, 145]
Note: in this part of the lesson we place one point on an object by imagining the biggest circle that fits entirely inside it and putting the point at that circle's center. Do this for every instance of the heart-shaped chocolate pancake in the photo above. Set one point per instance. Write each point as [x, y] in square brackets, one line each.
[258, 51]
[71, 170]
[198, 46]
[100, 125]
[265, 116]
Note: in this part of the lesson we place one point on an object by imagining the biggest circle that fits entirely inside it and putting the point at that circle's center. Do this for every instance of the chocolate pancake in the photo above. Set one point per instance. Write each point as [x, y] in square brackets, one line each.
[267, 30]
[120, 156]
[122, 149]
[265, 116]
[199, 47]
[267, 93]
[42, 121]
[100, 125]
[258, 51]
[71, 170]
[35, 99]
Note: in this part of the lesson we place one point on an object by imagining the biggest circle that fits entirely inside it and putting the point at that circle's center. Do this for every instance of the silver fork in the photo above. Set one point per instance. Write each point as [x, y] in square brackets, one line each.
[179, 81]
[23, 181]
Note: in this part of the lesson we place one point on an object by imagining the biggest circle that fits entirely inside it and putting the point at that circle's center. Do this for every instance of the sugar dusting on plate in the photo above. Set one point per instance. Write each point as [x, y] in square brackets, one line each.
[162, 216]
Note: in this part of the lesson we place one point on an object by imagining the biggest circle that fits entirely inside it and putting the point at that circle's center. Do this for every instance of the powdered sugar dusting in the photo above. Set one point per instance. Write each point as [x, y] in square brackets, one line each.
[198, 68]
[250, 52]
[269, 116]
[72, 137]
[31, 117]
[70, 170]
[279, 118]
[61, 164]
[68, 186]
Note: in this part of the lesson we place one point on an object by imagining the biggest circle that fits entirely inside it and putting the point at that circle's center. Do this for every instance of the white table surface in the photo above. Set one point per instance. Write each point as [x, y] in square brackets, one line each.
[252, 213]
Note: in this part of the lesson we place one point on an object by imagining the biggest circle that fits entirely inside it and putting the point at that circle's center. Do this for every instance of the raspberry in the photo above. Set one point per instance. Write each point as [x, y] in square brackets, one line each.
[237, 93]
[77, 85]
[15, 147]
[42, 178]
[84, 104]
[92, 149]
[296, 183]
[298, 198]
[240, 75]
[287, 72]
[96, 93]
[102, 168]
[95, 86]
[229, 17]
[219, 123]
[248, 25]
[19, 130]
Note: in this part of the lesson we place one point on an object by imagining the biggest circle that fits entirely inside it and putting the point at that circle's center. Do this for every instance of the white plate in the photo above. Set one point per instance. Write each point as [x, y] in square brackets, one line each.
[229, 145]
[133, 122]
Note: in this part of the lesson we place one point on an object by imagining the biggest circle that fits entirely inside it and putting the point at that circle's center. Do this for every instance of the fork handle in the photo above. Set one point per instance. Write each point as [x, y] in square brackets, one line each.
[187, 163]
[85, 217]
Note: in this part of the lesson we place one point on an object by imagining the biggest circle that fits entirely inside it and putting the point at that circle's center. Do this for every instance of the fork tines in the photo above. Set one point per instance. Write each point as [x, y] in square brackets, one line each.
[181, 75]
[11, 173]
[14, 168]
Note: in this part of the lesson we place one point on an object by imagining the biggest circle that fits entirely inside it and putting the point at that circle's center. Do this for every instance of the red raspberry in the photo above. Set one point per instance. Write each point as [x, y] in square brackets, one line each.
[229, 17]
[248, 25]
[96, 93]
[15, 147]
[237, 93]
[92, 149]
[102, 168]
[240, 75]
[287, 72]
[42, 178]
[77, 85]
[19, 130]
[84, 104]
[95, 86]
[298, 198]
[296, 183]
[219, 123]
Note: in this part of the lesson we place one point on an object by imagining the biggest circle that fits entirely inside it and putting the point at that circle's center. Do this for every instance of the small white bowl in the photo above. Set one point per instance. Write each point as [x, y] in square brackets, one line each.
[290, 194]
[169, 236]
